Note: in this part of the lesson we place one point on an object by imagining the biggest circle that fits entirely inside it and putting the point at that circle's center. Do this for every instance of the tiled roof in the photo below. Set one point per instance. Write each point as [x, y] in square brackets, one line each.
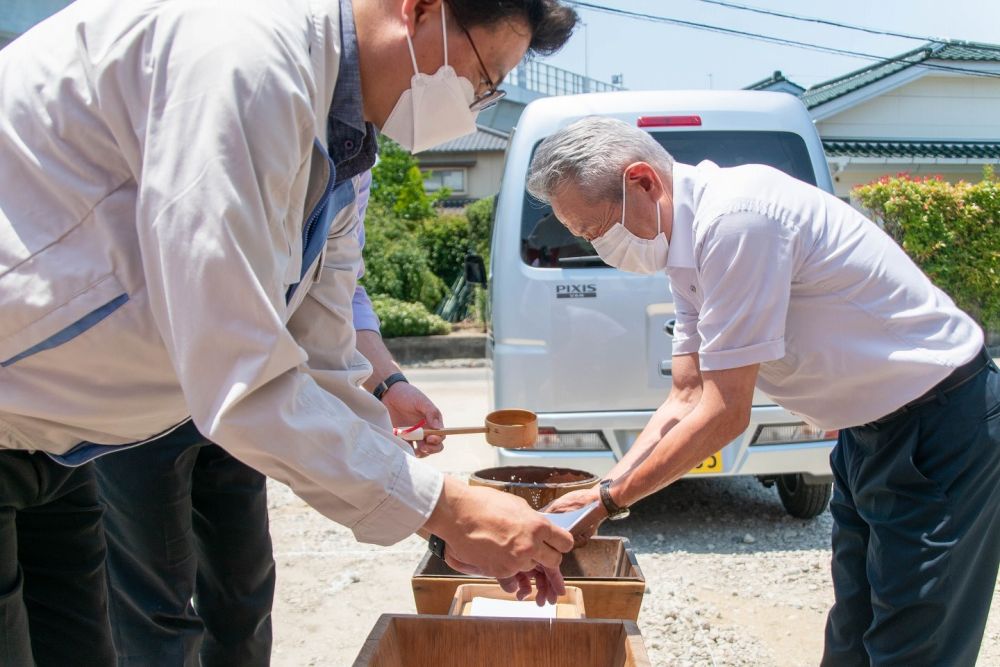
[483, 139]
[916, 149]
[955, 52]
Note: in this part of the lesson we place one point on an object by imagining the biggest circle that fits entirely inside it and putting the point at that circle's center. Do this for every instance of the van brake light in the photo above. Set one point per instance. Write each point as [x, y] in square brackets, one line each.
[669, 121]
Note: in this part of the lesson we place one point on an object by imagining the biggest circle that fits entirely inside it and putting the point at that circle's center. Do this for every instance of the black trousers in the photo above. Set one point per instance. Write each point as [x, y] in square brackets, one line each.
[53, 593]
[189, 555]
[916, 536]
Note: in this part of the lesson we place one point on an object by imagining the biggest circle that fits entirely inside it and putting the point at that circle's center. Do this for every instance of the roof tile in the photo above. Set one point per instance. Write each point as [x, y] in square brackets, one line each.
[830, 90]
[916, 149]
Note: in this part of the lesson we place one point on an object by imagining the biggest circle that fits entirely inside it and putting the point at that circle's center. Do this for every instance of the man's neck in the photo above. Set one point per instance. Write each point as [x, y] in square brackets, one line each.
[667, 208]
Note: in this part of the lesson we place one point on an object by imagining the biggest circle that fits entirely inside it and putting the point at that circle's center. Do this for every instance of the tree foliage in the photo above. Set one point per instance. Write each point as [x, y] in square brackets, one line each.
[398, 184]
[951, 230]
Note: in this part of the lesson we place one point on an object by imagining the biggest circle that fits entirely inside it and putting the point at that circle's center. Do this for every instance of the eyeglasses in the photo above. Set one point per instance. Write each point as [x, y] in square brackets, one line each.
[492, 94]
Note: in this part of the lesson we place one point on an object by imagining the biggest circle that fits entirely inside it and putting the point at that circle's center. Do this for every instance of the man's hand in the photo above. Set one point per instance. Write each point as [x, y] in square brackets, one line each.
[496, 534]
[407, 406]
[548, 585]
[575, 500]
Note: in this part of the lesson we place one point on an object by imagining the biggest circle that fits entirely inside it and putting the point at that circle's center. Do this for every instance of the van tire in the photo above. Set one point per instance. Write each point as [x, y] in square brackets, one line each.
[801, 499]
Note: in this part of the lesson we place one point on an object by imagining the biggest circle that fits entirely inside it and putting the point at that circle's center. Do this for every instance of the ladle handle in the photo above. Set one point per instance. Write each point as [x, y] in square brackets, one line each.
[421, 433]
[455, 431]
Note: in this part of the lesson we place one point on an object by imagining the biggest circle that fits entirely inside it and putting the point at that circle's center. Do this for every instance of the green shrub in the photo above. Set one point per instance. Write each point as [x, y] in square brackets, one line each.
[952, 231]
[445, 239]
[480, 216]
[399, 318]
[395, 263]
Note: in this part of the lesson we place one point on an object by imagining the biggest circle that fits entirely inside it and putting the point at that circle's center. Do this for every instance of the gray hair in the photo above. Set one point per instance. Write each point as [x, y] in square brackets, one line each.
[592, 153]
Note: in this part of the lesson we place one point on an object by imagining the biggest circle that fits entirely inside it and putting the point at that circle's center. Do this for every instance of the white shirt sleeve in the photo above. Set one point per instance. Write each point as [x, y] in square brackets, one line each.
[745, 267]
[226, 144]
[686, 339]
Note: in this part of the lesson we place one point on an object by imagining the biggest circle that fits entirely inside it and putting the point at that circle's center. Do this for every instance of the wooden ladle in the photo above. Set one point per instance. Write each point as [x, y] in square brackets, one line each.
[512, 429]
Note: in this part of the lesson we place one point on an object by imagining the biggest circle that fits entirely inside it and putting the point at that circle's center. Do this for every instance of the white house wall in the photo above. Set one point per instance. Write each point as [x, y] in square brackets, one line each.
[940, 107]
[955, 108]
[484, 178]
[483, 170]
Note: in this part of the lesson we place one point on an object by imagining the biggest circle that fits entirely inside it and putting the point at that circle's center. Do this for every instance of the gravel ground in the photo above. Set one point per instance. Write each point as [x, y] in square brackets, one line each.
[732, 580]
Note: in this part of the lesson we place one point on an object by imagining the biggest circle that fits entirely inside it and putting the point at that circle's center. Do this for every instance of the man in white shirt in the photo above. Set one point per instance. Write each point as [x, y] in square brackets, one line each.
[780, 285]
[178, 242]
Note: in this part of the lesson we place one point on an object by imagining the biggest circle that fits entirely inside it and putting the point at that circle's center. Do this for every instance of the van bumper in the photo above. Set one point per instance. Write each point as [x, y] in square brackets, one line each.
[739, 457]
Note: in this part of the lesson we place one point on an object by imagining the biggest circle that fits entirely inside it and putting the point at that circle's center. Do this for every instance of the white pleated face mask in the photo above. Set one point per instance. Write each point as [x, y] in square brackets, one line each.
[623, 250]
[435, 108]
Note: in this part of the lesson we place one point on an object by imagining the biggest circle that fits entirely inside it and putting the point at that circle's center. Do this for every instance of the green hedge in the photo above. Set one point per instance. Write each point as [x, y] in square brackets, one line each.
[951, 230]
[413, 251]
[446, 241]
[395, 263]
[480, 217]
[399, 318]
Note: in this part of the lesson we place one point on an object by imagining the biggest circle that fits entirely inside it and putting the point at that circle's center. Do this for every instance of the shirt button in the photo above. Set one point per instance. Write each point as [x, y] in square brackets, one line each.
[348, 144]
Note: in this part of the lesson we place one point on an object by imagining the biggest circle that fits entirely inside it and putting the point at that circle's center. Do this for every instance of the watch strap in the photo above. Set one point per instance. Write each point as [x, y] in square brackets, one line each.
[384, 385]
[609, 504]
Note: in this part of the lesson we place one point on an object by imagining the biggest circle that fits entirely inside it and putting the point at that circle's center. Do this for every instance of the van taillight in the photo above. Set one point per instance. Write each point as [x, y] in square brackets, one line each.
[668, 121]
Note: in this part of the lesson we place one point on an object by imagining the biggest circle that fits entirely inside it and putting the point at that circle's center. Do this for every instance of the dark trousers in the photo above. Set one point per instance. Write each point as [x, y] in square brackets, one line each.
[189, 555]
[53, 593]
[916, 536]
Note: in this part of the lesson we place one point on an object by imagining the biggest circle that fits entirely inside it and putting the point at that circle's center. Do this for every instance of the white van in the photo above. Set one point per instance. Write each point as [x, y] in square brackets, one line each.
[588, 347]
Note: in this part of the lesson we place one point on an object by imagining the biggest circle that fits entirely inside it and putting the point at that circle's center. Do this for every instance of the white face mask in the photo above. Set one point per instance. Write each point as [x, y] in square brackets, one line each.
[624, 250]
[434, 109]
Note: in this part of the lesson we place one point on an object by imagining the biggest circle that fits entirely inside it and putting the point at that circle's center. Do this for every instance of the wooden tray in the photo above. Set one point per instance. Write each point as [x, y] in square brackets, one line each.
[605, 571]
[400, 640]
[570, 605]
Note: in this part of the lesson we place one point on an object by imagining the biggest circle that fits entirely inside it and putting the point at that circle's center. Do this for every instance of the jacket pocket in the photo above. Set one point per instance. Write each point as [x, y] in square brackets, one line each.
[62, 322]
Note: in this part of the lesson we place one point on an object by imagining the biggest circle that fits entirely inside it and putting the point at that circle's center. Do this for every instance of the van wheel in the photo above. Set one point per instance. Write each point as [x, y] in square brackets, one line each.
[801, 499]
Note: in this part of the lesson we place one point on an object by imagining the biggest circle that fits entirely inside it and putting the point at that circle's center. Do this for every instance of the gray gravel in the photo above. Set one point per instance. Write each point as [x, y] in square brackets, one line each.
[732, 580]
[714, 551]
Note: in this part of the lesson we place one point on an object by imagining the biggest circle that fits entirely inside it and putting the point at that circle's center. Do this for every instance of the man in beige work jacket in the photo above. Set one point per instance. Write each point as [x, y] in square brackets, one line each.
[177, 241]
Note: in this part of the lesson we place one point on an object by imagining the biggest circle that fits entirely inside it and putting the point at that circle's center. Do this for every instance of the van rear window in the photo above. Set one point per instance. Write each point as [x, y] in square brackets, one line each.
[545, 243]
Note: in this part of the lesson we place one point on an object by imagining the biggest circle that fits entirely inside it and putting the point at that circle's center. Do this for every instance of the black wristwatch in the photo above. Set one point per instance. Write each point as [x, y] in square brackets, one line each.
[384, 385]
[436, 546]
[614, 511]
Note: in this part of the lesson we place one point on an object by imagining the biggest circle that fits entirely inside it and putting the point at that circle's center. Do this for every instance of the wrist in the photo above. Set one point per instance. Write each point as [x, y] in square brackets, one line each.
[392, 392]
[443, 520]
[611, 504]
[383, 387]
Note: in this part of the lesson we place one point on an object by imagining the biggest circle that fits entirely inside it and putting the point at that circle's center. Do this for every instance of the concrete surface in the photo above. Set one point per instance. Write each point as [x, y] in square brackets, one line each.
[416, 349]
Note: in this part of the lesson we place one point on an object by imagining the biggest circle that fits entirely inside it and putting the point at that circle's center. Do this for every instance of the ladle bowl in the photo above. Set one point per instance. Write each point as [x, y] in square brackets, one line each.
[511, 429]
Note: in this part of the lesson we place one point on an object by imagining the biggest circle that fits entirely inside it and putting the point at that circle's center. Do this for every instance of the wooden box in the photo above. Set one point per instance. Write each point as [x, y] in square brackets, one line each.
[605, 571]
[399, 640]
[570, 605]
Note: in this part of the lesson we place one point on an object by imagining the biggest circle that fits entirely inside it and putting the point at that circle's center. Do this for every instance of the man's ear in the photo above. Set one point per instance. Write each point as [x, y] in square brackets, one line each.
[416, 12]
[643, 175]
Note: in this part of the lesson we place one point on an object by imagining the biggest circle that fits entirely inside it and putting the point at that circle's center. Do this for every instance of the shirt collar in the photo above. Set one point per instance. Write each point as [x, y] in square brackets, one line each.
[680, 253]
[351, 141]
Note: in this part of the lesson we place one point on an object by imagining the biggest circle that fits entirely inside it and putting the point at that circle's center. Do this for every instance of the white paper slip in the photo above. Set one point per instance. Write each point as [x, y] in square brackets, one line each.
[569, 520]
[510, 608]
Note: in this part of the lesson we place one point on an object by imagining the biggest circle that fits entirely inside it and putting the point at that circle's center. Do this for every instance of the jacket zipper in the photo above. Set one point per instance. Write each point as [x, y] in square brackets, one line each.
[310, 226]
